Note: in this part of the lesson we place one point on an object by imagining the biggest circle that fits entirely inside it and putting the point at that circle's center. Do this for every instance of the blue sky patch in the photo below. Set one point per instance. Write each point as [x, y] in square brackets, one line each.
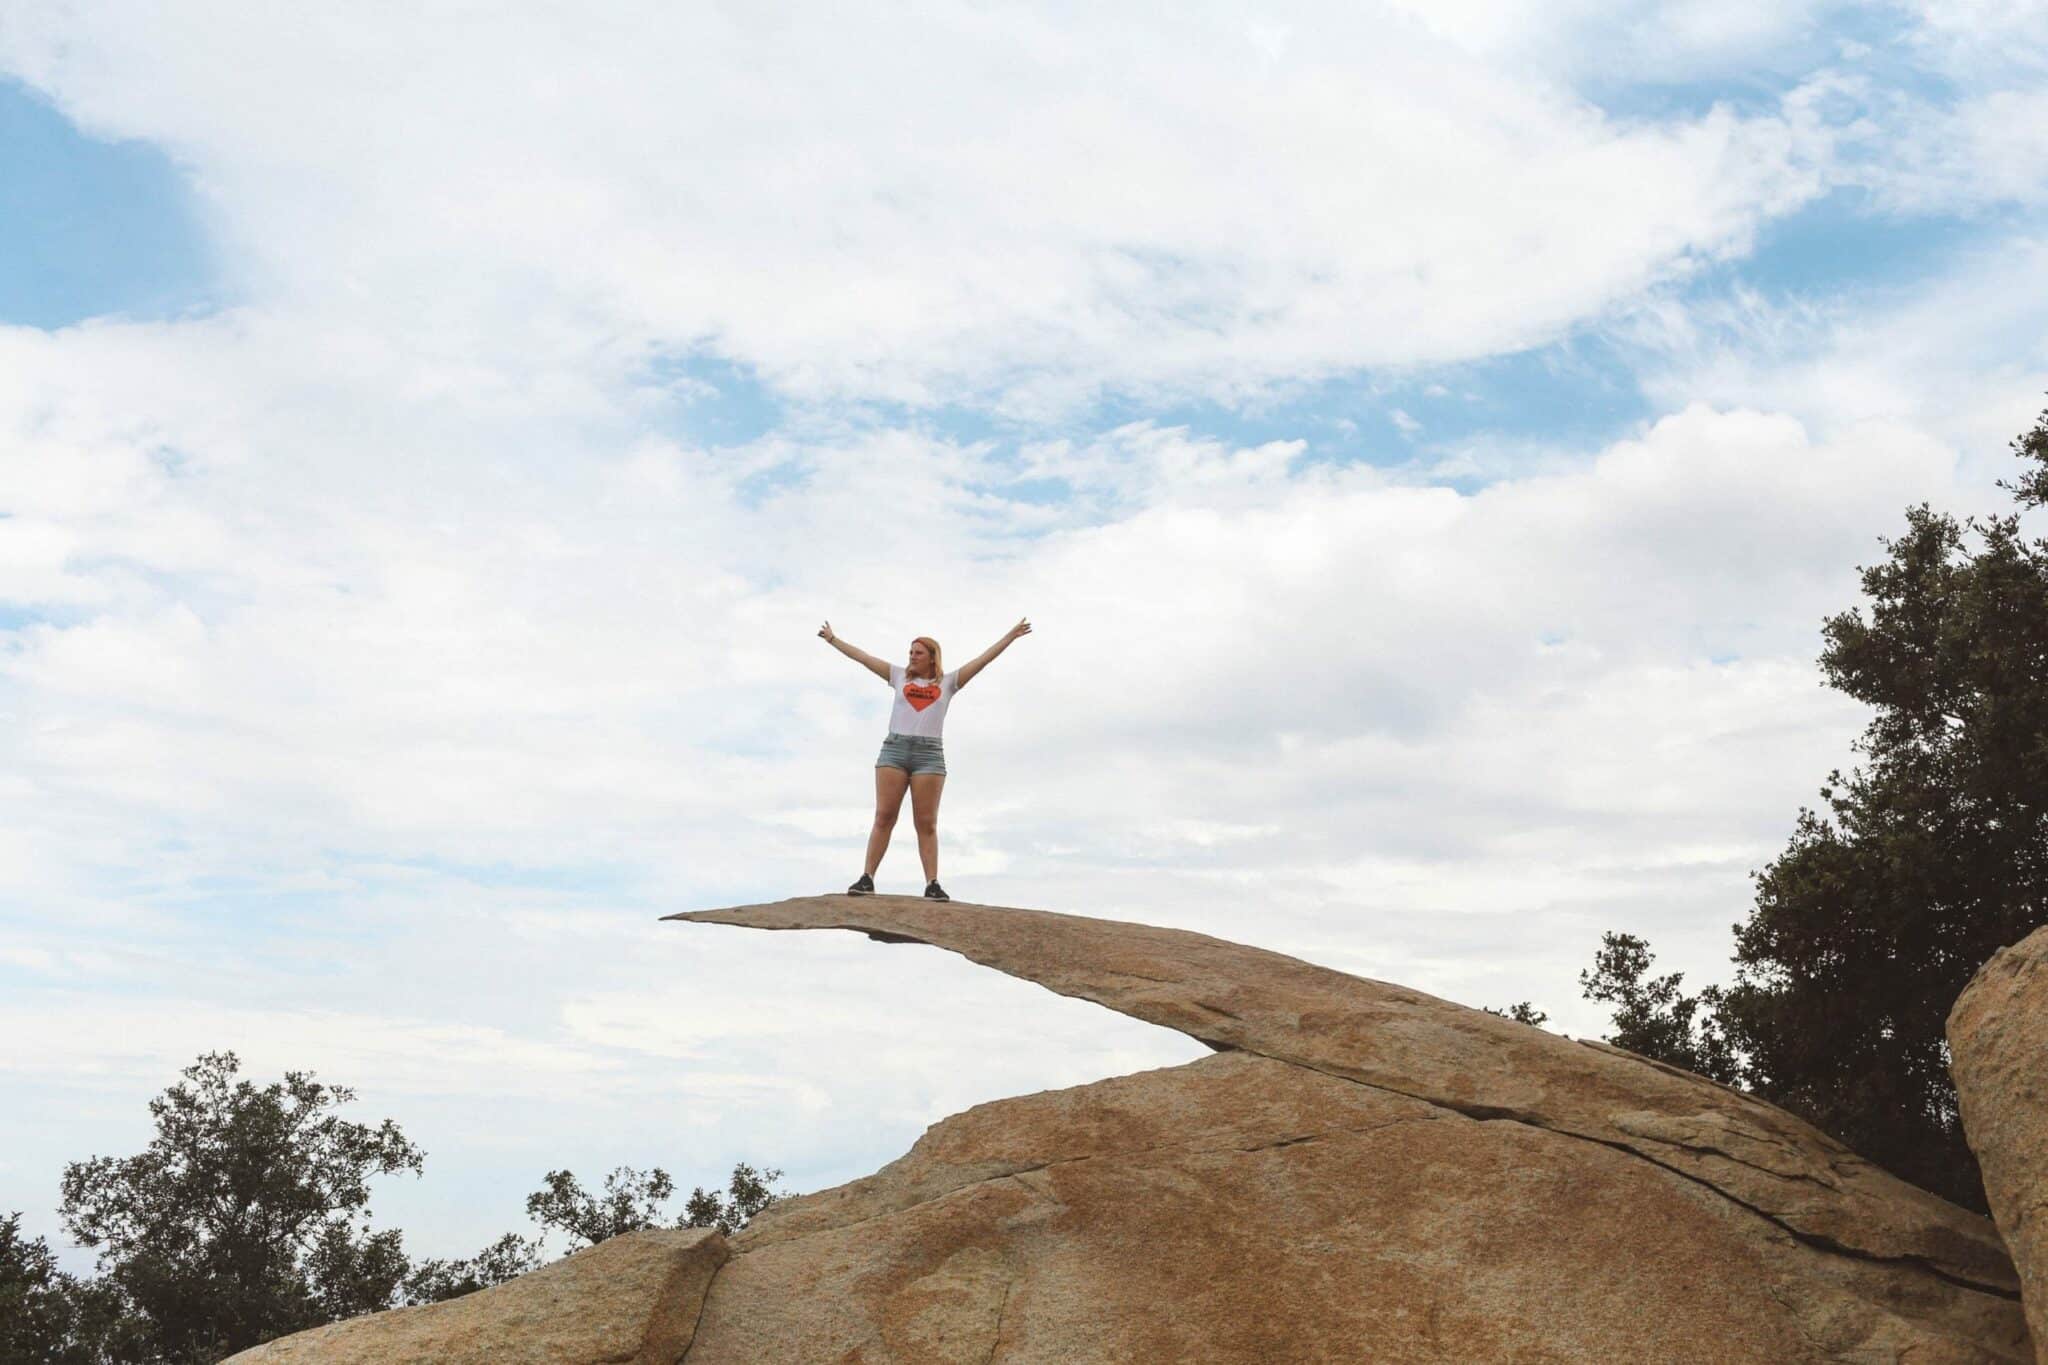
[15, 617]
[88, 227]
[1847, 241]
[712, 401]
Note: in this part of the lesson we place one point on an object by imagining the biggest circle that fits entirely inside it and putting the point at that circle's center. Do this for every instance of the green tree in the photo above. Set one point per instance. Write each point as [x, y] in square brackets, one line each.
[245, 1218]
[746, 1194]
[1655, 1017]
[435, 1281]
[633, 1200]
[1931, 855]
[1923, 861]
[39, 1307]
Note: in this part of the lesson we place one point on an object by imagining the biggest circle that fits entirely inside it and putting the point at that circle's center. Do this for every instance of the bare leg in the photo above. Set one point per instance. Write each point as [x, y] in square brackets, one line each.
[924, 813]
[890, 784]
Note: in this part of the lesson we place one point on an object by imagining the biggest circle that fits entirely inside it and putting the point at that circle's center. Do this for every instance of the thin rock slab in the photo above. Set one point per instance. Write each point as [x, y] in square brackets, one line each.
[1240, 1209]
[632, 1300]
[1998, 1049]
[1736, 1149]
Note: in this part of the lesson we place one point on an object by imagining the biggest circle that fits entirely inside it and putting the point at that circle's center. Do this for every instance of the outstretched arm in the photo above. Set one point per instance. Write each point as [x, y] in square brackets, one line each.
[859, 656]
[974, 666]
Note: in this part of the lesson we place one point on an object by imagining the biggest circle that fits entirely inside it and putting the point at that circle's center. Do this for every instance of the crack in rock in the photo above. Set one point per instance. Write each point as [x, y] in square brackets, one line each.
[1493, 1114]
[1315, 1010]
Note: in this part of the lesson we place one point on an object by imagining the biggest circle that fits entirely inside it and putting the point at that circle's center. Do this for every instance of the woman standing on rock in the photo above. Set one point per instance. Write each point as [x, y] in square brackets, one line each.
[913, 757]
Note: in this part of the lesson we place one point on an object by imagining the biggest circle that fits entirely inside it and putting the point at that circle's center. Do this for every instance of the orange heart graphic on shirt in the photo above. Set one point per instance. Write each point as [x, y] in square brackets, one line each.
[920, 695]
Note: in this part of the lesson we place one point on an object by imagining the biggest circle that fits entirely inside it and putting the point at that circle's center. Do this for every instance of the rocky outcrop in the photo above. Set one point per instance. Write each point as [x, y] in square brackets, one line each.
[1242, 1209]
[1366, 1172]
[1998, 1047]
[1361, 1172]
[633, 1300]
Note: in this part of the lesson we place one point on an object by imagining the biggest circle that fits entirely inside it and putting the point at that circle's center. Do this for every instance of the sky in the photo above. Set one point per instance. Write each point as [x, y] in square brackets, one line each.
[1425, 438]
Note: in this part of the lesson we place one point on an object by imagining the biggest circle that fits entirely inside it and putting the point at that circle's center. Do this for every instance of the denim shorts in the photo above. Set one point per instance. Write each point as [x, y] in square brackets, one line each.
[914, 754]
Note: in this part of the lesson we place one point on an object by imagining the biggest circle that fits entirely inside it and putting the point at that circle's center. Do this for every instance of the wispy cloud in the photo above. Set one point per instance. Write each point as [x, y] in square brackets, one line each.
[990, 204]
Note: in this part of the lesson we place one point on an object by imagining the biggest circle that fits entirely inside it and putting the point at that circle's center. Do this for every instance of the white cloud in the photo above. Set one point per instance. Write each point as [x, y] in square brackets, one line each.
[1627, 40]
[1989, 150]
[1960, 355]
[611, 663]
[988, 202]
[1973, 39]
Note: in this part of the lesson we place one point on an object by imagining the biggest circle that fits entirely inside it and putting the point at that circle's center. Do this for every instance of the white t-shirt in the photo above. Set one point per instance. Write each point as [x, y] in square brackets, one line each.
[921, 704]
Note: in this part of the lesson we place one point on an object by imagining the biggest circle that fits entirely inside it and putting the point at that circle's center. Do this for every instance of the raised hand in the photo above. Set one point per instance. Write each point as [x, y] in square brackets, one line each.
[1021, 628]
[825, 633]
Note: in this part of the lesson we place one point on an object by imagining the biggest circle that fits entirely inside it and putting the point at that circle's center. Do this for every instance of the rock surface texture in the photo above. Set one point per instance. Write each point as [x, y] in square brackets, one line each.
[633, 1300]
[1998, 1047]
[1364, 1172]
[1360, 1173]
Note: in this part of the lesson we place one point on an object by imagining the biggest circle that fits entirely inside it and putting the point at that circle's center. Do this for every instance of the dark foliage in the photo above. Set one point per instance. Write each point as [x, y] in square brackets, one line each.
[39, 1307]
[1930, 856]
[1655, 1017]
[1926, 859]
[633, 1200]
[505, 1259]
[746, 1194]
[246, 1217]
[1522, 1012]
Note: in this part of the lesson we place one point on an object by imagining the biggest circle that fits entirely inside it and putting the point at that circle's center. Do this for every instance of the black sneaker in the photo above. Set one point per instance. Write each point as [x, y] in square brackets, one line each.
[864, 887]
[934, 892]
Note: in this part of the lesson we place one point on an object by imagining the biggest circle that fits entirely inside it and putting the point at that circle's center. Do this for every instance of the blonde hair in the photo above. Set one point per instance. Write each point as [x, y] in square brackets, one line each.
[938, 661]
